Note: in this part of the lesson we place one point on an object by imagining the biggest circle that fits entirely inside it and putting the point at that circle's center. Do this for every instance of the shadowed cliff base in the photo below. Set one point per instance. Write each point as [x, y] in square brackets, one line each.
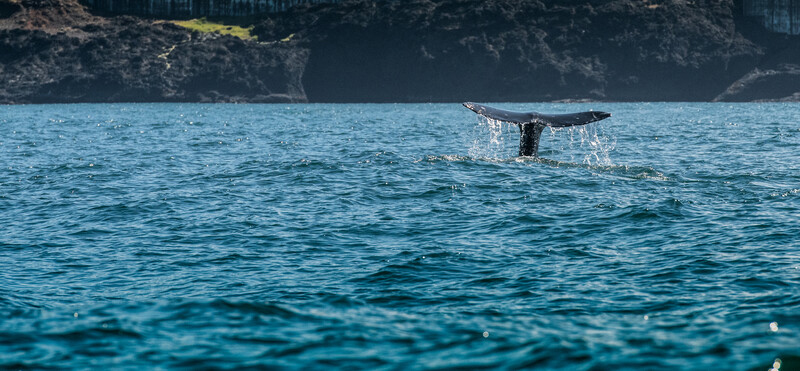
[415, 51]
[776, 77]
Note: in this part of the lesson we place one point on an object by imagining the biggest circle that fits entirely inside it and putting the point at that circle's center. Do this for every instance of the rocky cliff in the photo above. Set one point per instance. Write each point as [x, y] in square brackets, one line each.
[402, 51]
[56, 51]
[517, 50]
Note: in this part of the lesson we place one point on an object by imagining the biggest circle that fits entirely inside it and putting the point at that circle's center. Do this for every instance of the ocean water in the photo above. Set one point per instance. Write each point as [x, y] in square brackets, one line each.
[183, 236]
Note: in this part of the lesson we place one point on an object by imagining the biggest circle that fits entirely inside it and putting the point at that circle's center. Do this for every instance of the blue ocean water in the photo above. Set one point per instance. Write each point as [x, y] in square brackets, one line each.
[398, 237]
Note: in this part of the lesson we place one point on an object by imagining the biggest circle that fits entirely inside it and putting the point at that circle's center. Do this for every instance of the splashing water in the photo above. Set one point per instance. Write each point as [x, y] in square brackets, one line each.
[595, 147]
[600, 145]
[493, 139]
[498, 133]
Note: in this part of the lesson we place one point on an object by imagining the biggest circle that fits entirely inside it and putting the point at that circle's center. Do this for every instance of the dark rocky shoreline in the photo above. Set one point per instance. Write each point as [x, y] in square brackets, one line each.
[56, 51]
[416, 51]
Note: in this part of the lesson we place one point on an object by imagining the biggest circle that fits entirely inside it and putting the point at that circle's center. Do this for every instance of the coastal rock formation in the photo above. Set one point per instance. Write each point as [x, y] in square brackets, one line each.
[780, 84]
[517, 50]
[401, 51]
[777, 75]
[56, 51]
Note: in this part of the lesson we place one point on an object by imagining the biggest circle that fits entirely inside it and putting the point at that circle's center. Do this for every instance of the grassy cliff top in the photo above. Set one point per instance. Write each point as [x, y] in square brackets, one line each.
[204, 25]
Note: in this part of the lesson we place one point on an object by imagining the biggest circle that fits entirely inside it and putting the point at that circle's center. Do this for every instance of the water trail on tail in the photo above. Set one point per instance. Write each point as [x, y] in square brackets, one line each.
[492, 139]
[586, 141]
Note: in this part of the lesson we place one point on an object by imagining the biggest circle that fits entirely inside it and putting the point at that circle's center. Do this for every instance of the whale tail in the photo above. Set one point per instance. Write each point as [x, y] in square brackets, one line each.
[556, 121]
[531, 124]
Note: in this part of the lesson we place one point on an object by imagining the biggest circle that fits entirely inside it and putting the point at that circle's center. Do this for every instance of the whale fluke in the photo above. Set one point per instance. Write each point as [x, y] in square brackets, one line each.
[531, 124]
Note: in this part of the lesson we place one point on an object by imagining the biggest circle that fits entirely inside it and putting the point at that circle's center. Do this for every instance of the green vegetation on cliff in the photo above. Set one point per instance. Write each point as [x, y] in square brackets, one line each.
[204, 25]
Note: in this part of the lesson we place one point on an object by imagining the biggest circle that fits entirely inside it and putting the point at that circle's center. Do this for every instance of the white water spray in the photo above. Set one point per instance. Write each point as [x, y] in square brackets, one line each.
[587, 144]
[588, 141]
[490, 138]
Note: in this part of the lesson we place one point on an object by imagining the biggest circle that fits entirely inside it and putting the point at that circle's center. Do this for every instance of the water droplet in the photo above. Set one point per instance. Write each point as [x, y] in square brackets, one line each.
[776, 365]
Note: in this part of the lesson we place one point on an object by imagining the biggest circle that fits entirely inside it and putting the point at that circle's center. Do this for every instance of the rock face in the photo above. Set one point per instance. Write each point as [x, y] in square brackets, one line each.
[57, 52]
[517, 50]
[402, 51]
[777, 75]
[779, 84]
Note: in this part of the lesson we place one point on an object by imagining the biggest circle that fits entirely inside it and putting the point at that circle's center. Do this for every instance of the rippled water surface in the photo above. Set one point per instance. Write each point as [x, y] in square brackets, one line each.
[398, 237]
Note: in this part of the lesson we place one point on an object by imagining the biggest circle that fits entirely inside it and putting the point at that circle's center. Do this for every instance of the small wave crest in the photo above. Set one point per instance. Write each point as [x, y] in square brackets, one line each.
[459, 158]
[622, 171]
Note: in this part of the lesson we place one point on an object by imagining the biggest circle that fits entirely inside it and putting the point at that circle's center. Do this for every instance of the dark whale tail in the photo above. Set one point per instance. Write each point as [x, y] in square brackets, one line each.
[531, 124]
